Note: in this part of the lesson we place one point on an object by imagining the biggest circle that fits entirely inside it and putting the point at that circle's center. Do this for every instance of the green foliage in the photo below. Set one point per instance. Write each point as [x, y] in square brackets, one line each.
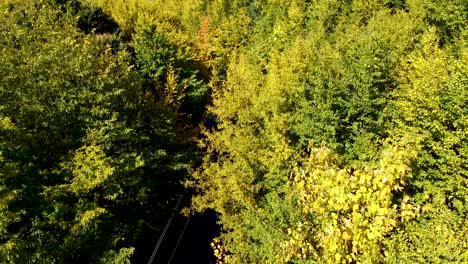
[431, 102]
[340, 137]
[121, 257]
[164, 63]
[346, 76]
[90, 159]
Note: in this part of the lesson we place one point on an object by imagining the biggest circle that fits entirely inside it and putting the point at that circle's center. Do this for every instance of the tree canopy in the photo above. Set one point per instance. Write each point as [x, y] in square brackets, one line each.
[319, 131]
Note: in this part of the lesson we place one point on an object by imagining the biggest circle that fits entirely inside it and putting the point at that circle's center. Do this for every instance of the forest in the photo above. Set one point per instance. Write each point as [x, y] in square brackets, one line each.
[331, 131]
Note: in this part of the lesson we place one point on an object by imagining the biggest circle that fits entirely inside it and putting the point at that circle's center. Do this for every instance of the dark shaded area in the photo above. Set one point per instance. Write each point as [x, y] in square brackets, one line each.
[396, 4]
[93, 20]
[211, 124]
[90, 19]
[194, 246]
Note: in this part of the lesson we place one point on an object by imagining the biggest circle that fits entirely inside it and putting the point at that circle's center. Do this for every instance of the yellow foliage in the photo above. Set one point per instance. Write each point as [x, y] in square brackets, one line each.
[89, 215]
[87, 218]
[90, 168]
[220, 251]
[354, 209]
[169, 16]
[6, 124]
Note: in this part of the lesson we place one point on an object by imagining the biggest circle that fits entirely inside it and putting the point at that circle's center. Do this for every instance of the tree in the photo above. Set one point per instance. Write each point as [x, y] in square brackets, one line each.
[91, 160]
[429, 102]
[335, 76]
[348, 213]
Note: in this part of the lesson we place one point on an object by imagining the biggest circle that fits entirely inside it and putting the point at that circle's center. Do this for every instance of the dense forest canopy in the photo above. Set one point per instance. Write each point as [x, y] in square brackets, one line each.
[331, 131]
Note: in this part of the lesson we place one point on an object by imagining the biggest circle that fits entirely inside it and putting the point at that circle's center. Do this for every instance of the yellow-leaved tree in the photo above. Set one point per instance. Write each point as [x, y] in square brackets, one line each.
[348, 212]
